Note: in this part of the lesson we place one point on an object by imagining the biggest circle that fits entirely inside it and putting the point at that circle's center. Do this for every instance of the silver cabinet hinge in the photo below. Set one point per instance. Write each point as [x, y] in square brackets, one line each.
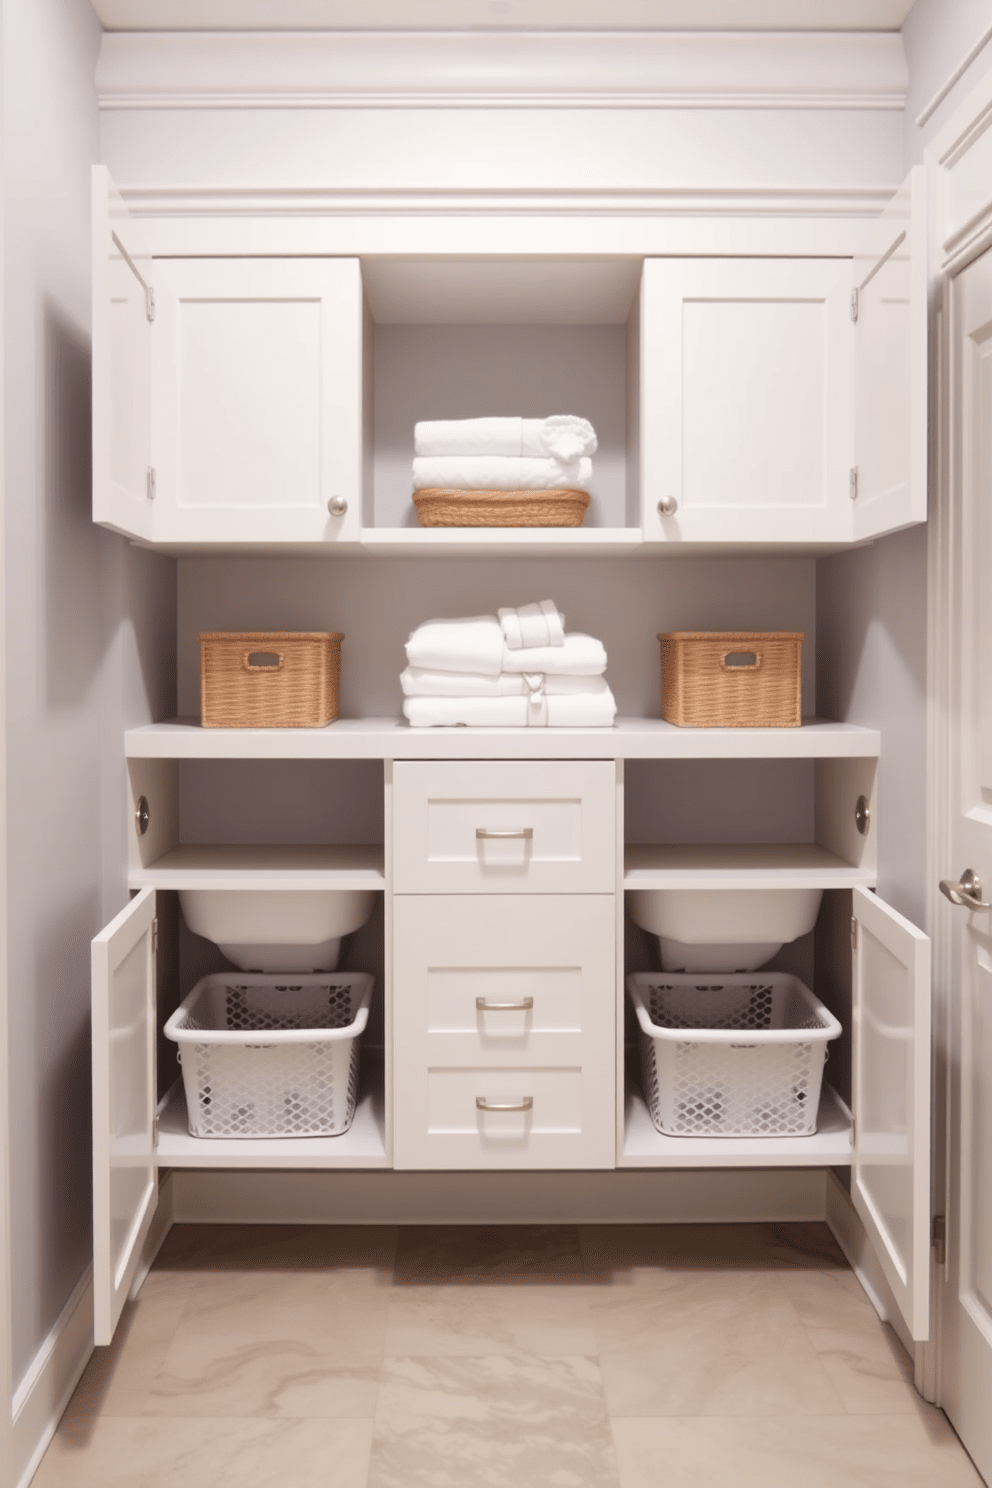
[151, 483]
[154, 1131]
[155, 934]
[938, 1237]
[853, 489]
[855, 306]
[854, 934]
[149, 302]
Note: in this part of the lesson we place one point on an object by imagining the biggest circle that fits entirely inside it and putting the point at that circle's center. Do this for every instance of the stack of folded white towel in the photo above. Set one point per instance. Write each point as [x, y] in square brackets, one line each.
[504, 454]
[516, 670]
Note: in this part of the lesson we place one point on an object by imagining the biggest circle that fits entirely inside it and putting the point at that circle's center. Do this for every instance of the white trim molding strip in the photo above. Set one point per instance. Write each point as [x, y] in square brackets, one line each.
[630, 70]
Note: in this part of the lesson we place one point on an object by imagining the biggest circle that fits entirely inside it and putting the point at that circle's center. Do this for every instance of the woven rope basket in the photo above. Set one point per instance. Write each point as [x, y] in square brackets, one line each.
[269, 679]
[438, 507]
[731, 678]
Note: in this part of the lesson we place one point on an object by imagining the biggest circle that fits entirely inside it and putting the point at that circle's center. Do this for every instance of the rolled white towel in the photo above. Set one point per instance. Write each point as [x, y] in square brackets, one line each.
[500, 473]
[546, 711]
[563, 437]
[416, 682]
[579, 656]
[472, 645]
[538, 624]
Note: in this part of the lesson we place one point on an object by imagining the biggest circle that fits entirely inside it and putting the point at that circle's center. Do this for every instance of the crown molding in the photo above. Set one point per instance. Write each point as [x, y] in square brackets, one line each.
[186, 203]
[228, 70]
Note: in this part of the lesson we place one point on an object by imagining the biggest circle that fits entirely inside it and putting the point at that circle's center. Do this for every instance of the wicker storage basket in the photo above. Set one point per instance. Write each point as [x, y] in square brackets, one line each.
[437, 507]
[269, 679]
[731, 678]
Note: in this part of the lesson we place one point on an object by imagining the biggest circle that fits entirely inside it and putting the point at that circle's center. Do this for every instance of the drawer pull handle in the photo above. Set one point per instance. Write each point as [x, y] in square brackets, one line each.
[521, 834]
[525, 1006]
[527, 1104]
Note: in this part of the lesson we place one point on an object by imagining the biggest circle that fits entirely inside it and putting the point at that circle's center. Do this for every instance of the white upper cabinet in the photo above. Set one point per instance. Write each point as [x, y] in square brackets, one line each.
[890, 1172]
[746, 400]
[230, 411]
[890, 344]
[785, 400]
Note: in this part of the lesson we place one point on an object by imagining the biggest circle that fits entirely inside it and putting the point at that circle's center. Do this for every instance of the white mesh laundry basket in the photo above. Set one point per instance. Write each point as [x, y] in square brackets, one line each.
[731, 1056]
[271, 1056]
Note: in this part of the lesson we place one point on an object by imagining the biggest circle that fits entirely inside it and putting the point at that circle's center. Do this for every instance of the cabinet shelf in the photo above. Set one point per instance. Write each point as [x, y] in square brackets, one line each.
[391, 738]
[799, 865]
[498, 542]
[363, 1145]
[645, 1147]
[236, 866]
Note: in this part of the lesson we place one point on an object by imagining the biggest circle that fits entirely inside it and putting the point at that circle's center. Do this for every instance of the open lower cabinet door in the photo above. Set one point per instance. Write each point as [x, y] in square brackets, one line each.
[125, 1173]
[128, 294]
[889, 307]
[890, 1172]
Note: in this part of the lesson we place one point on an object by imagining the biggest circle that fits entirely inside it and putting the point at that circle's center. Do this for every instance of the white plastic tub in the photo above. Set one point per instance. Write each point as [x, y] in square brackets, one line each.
[731, 1056]
[271, 1056]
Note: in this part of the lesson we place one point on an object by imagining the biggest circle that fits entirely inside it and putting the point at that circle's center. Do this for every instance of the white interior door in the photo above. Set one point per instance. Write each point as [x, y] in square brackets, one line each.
[746, 400]
[966, 1294]
[890, 366]
[890, 1170]
[259, 378]
[127, 291]
[125, 1174]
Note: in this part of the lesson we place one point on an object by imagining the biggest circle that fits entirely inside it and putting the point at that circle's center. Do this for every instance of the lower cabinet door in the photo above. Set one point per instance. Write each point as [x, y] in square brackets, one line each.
[503, 1027]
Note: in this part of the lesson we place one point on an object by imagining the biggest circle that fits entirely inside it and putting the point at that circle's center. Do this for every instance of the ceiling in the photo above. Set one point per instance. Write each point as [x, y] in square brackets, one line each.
[534, 15]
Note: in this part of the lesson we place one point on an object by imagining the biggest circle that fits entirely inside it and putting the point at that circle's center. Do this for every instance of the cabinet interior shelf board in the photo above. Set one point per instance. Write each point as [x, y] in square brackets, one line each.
[236, 866]
[800, 865]
[392, 738]
[497, 542]
[363, 1145]
[645, 1147]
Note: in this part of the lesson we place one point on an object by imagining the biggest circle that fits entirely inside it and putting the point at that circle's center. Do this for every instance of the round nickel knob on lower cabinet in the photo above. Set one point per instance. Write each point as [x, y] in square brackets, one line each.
[337, 506]
[667, 506]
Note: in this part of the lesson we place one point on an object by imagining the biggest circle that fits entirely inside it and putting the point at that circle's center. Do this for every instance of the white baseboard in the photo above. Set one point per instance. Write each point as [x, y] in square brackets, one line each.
[631, 1197]
[851, 1236]
[56, 1369]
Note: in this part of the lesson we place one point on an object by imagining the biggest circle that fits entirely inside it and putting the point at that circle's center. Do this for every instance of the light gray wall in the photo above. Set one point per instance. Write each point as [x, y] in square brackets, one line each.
[84, 614]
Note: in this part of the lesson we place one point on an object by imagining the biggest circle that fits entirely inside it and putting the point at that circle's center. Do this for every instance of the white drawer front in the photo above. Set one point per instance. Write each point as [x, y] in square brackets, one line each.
[543, 968]
[504, 826]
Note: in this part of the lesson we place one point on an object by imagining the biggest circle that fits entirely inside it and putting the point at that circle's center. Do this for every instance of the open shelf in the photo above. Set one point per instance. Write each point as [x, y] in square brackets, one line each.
[499, 542]
[202, 866]
[799, 865]
[392, 738]
[363, 1145]
[645, 1147]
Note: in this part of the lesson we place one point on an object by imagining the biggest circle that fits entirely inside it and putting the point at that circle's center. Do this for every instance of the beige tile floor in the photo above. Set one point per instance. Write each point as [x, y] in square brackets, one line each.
[647, 1357]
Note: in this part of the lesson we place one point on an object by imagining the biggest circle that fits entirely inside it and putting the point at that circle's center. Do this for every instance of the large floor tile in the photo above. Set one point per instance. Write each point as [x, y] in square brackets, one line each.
[473, 1253]
[621, 1252]
[143, 1453]
[712, 1344]
[274, 1345]
[305, 1248]
[117, 1379]
[919, 1451]
[498, 1319]
[497, 1422]
[868, 1366]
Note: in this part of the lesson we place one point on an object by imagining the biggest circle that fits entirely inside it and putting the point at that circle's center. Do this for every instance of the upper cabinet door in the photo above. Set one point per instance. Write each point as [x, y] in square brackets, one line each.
[890, 1174]
[746, 400]
[125, 1172]
[258, 392]
[127, 293]
[890, 348]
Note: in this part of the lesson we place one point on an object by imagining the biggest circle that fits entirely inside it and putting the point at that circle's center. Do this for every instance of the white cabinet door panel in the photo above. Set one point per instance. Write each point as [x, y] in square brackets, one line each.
[448, 817]
[746, 400]
[890, 348]
[890, 1171]
[125, 1172]
[123, 277]
[259, 387]
[544, 968]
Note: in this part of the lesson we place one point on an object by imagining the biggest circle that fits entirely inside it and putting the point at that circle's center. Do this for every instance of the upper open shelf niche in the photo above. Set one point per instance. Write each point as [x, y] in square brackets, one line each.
[501, 291]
